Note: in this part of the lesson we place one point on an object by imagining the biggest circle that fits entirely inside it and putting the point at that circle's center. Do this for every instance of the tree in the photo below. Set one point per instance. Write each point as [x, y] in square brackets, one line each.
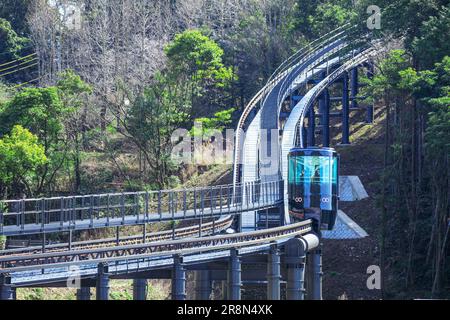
[40, 110]
[11, 44]
[16, 11]
[195, 61]
[153, 117]
[73, 92]
[433, 43]
[21, 156]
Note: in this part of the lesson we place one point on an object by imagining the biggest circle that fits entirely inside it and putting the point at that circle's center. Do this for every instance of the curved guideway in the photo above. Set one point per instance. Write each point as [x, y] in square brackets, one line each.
[52, 266]
[269, 151]
[298, 114]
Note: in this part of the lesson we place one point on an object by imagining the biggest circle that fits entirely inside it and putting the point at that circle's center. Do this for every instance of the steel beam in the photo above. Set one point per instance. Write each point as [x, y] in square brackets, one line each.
[140, 289]
[345, 110]
[354, 87]
[6, 290]
[84, 293]
[178, 279]
[273, 273]
[203, 285]
[234, 276]
[102, 292]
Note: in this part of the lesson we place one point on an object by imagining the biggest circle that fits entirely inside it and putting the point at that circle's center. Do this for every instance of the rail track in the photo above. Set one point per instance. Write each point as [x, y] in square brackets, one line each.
[17, 263]
[208, 228]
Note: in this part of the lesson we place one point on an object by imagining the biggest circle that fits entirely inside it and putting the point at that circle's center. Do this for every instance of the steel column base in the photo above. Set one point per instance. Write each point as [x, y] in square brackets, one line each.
[6, 290]
[273, 274]
[203, 285]
[84, 293]
[102, 292]
[140, 289]
[234, 276]
[178, 279]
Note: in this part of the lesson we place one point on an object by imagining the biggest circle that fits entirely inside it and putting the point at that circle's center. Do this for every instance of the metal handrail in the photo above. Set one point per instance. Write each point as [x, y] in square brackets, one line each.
[27, 216]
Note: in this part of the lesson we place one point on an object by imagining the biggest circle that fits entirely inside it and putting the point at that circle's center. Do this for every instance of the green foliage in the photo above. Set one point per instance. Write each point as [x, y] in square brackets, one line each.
[315, 18]
[10, 42]
[329, 16]
[20, 157]
[2, 242]
[152, 118]
[38, 109]
[433, 43]
[219, 122]
[71, 88]
[198, 57]
[391, 76]
[16, 11]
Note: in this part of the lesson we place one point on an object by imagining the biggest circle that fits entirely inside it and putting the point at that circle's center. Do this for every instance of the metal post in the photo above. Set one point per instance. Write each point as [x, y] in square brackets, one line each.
[140, 287]
[305, 137]
[273, 274]
[6, 290]
[203, 285]
[178, 279]
[295, 264]
[234, 276]
[224, 290]
[354, 88]
[317, 274]
[345, 110]
[311, 126]
[70, 240]
[325, 118]
[102, 281]
[84, 293]
[370, 75]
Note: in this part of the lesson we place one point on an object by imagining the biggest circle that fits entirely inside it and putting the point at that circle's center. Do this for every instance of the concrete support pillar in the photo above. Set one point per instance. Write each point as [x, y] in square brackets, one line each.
[354, 87]
[273, 274]
[203, 285]
[317, 274]
[6, 290]
[345, 110]
[102, 282]
[234, 276]
[84, 293]
[140, 289]
[178, 279]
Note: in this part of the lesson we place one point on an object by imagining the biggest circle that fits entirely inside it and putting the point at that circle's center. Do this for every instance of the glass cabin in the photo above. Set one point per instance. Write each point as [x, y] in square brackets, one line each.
[313, 185]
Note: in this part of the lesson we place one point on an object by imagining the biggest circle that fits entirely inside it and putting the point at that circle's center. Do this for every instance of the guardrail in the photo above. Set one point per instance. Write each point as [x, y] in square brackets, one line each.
[209, 228]
[29, 216]
[18, 263]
